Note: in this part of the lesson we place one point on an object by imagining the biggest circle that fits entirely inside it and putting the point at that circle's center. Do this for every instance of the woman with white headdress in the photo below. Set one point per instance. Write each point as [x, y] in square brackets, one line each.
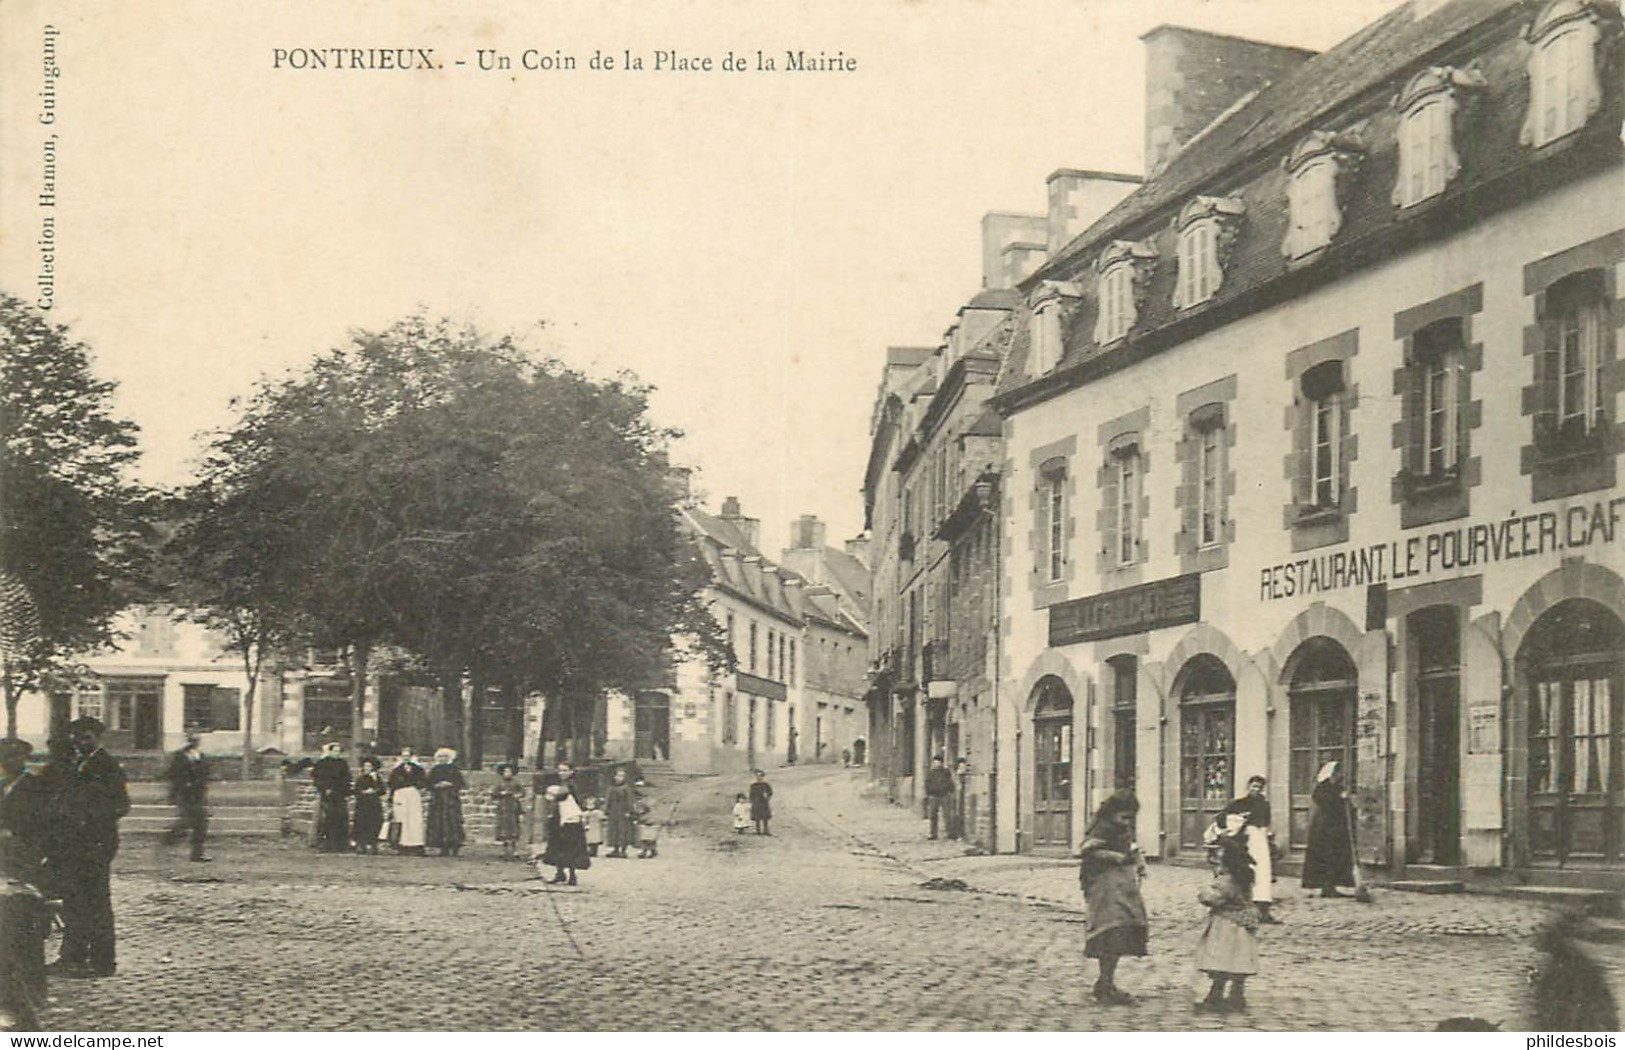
[1329, 860]
[446, 785]
[406, 783]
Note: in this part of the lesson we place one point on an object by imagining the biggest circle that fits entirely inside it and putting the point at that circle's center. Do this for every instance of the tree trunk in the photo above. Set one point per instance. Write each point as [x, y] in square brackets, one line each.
[360, 652]
[475, 735]
[513, 715]
[451, 699]
[12, 696]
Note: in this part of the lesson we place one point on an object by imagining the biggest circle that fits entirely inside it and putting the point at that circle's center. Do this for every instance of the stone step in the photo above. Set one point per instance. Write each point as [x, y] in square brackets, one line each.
[1435, 872]
[1594, 902]
[1428, 886]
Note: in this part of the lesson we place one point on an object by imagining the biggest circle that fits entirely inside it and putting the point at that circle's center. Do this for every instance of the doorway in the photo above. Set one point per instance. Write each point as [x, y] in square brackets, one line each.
[1052, 764]
[1572, 664]
[1207, 746]
[651, 737]
[1436, 639]
[1322, 685]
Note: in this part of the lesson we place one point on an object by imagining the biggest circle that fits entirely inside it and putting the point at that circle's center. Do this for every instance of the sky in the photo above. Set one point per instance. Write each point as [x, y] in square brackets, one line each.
[747, 242]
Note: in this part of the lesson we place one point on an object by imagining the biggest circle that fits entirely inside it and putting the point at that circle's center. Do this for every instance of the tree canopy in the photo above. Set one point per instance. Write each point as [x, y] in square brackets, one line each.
[499, 515]
[72, 521]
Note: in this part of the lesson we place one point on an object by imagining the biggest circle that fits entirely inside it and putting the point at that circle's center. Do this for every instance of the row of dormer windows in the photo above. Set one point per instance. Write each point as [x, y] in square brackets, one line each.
[1565, 92]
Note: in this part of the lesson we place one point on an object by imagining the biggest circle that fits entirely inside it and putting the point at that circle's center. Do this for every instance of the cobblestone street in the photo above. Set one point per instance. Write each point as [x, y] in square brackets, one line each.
[824, 925]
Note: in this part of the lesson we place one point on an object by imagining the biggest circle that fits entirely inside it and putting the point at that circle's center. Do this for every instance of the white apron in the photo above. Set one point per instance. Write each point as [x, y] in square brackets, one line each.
[406, 809]
[1258, 848]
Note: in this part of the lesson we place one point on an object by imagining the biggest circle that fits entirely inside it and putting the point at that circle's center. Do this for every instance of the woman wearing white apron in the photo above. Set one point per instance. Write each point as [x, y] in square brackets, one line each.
[406, 783]
[1256, 808]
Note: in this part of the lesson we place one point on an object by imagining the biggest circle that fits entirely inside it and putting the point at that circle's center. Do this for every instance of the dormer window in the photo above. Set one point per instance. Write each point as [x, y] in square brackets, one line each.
[1206, 228]
[1427, 147]
[1124, 268]
[1050, 305]
[1564, 88]
[1316, 172]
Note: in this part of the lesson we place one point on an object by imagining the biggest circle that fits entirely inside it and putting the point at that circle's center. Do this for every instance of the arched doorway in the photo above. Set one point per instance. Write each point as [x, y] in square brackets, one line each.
[1322, 684]
[1052, 763]
[1207, 745]
[1570, 666]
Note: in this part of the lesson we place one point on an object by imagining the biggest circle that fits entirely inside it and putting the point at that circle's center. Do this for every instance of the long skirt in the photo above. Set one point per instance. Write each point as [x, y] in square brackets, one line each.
[445, 818]
[406, 810]
[1258, 848]
[566, 847]
[369, 819]
[509, 812]
[333, 824]
[1226, 947]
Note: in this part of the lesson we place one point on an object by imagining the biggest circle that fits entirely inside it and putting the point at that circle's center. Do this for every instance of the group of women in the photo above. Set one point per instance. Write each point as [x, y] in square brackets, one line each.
[389, 808]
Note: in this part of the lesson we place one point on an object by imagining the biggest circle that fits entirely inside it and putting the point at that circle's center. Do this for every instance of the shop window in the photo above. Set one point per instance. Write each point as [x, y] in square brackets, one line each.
[1052, 764]
[132, 710]
[210, 708]
[1573, 672]
[1564, 87]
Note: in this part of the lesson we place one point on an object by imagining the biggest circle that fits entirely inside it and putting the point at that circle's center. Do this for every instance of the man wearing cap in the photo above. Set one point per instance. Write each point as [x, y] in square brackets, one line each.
[188, 777]
[98, 797]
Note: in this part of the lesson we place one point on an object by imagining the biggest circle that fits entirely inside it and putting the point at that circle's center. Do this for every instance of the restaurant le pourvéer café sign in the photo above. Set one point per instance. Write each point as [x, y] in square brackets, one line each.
[1131, 610]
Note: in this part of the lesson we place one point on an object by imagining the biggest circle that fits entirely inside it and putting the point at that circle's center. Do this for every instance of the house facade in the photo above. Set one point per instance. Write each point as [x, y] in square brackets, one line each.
[1311, 454]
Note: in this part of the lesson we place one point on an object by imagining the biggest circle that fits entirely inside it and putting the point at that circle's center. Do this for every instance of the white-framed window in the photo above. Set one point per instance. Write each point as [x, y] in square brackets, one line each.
[1055, 521]
[1576, 342]
[1438, 355]
[1126, 464]
[1116, 303]
[1312, 201]
[1564, 90]
[1209, 486]
[1045, 331]
[1325, 435]
[1425, 154]
[1198, 263]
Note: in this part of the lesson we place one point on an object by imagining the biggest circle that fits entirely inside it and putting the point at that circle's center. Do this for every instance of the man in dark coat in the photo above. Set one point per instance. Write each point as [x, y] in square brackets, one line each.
[1328, 862]
[24, 923]
[331, 777]
[939, 792]
[188, 777]
[97, 799]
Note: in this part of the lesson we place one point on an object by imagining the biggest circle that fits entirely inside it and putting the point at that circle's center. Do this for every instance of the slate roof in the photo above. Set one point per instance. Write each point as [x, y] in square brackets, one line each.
[737, 575]
[1349, 87]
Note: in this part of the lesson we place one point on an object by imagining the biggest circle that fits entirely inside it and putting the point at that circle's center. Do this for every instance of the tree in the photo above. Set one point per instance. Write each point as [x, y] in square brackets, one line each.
[72, 521]
[503, 518]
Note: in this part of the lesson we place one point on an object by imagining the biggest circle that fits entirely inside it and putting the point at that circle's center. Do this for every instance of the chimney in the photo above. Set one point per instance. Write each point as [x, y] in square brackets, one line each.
[1078, 198]
[749, 528]
[1002, 231]
[1192, 77]
[858, 547]
[807, 533]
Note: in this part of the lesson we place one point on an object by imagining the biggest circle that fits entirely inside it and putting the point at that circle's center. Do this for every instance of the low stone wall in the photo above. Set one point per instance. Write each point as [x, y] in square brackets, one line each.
[479, 811]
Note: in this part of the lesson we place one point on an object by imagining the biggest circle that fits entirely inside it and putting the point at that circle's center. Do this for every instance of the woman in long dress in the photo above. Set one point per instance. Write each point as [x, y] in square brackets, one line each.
[566, 835]
[620, 813]
[406, 783]
[509, 799]
[446, 785]
[1109, 872]
[1329, 860]
[369, 806]
[1256, 809]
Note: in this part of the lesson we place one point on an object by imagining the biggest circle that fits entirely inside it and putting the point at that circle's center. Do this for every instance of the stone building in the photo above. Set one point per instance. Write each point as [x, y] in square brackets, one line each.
[1311, 452]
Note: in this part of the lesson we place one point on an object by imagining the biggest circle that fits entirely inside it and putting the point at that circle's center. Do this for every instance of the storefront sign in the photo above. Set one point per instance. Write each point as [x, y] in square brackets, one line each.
[1569, 528]
[1132, 610]
[749, 683]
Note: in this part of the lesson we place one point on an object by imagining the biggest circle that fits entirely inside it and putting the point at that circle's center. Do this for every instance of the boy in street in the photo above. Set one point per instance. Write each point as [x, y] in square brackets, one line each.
[939, 793]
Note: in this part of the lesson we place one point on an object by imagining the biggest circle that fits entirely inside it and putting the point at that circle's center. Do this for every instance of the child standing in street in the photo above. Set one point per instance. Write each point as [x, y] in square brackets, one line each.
[593, 819]
[1227, 951]
[761, 803]
[741, 814]
[648, 836]
[509, 797]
